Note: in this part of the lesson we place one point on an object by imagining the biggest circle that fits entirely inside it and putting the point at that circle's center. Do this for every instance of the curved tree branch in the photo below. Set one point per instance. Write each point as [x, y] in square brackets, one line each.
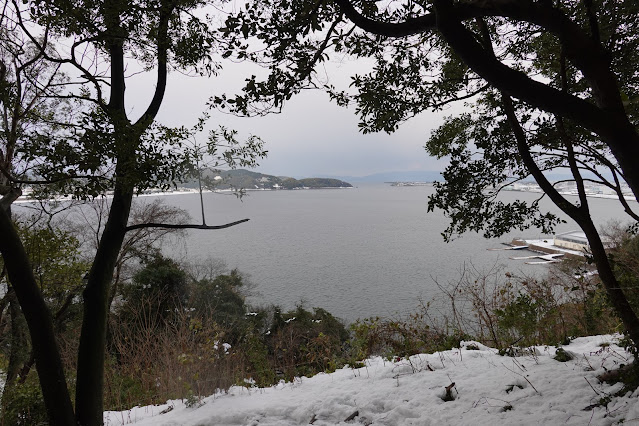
[182, 226]
[584, 51]
[409, 27]
[608, 119]
[162, 55]
[609, 123]
[514, 83]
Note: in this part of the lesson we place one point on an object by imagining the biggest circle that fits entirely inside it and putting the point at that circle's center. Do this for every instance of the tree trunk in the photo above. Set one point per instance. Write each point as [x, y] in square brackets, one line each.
[580, 214]
[19, 346]
[607, 276]
[19, 340]
[91, 352]
[46, 352]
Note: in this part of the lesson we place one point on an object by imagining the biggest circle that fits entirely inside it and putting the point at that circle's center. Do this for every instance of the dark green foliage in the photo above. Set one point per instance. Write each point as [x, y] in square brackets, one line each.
[221, 301]
[259, 362]
[402, 338]
[211, 339]
[174, 337]
[24, 406]
[160, 287]
[521, 316]
[625, 259]
[324, 183]
[304, 342]
[58, 266]
[56, 260]
[468, 194]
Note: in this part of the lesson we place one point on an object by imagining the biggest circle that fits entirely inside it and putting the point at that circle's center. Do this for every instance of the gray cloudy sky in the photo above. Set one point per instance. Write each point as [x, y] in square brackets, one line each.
[311, 137]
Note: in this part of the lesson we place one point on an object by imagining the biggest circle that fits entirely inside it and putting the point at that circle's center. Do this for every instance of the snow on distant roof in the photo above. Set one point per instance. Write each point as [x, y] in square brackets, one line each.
[573, 236]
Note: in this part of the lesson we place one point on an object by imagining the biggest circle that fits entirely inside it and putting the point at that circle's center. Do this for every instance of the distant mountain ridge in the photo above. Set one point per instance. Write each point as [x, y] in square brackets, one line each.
[409, 176]
[423, 176]
[247, 179]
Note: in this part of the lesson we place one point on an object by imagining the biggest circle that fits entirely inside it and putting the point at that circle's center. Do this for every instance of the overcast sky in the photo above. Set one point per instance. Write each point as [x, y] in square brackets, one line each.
[311, 137]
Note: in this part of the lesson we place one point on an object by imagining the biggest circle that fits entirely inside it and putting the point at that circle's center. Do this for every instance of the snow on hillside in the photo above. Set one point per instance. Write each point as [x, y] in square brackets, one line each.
[488, 389]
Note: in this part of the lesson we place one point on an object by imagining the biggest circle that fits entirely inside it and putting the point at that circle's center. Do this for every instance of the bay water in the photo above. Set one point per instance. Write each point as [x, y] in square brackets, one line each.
[372, 250]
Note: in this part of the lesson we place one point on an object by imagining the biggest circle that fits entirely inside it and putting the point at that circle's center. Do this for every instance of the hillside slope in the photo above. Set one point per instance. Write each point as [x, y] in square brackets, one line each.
[247, 179]
[486, 389]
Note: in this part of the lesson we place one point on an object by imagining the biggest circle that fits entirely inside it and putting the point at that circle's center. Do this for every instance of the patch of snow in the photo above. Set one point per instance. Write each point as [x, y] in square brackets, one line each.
[488, 389]
[225, 346]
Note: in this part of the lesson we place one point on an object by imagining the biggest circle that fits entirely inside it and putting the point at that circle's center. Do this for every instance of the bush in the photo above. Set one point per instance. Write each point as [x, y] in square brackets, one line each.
[624, 256]
[220, 301]
[152, 362]
[520, 317]
[23, 404]
[303, 343]
[163, 345]
[501, 310]
[161, 286]
[391, 338]
[171, 337]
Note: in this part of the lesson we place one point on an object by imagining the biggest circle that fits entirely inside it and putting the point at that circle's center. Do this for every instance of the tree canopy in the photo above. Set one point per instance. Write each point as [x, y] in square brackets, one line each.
[553, 86]
[99, 145]
[549, 86]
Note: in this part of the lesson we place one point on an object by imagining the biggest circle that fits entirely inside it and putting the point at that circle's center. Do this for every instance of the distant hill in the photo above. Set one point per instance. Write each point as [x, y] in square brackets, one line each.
[247, 179]
[432, 176]
[410, 176]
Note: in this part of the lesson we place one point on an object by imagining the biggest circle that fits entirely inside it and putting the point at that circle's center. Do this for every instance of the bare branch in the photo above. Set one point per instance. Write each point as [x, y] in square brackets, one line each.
[14, 179]
[185, 226]
[43, 52]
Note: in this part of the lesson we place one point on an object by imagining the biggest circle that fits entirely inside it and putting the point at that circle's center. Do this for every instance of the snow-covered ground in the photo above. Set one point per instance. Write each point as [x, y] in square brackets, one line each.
[488, 389]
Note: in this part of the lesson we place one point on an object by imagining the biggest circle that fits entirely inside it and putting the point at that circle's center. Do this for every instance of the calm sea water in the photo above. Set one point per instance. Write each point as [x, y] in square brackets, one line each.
[361, 252]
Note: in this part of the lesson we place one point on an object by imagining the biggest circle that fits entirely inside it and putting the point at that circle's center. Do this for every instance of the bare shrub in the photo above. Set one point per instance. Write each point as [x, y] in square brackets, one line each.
[496, 308]
[153, 359]
[303, 343]
[501, 309]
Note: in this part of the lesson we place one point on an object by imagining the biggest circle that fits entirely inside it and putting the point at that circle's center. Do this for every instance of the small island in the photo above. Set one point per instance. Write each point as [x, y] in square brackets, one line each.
[250, 180]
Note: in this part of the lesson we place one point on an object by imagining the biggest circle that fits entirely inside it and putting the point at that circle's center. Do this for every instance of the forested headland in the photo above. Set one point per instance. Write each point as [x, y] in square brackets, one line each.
[248, 179]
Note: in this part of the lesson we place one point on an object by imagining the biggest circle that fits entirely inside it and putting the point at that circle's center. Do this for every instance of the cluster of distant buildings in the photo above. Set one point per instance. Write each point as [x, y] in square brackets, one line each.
[570, 188]
[572, 244]
[410, 183]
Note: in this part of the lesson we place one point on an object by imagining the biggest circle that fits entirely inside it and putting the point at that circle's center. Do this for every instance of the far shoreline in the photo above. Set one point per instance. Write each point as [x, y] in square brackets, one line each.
[24, 199]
